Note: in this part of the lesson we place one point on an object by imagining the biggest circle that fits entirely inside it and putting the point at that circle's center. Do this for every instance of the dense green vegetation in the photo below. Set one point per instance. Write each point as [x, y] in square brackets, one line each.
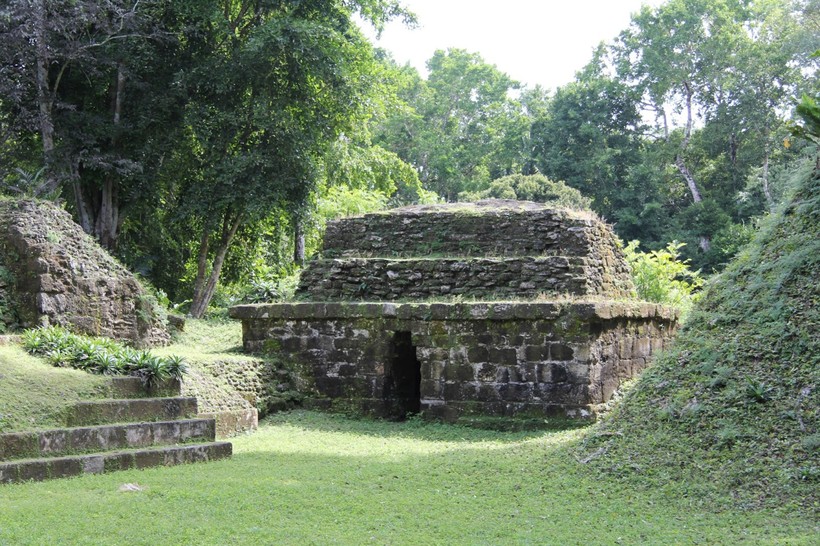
[661, 276]
[734, 408]
[207, 143]
[309, 478]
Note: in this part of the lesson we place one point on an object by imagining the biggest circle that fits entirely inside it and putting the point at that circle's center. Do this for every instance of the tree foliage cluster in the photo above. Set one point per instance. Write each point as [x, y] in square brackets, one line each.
[675, 129]
[179, 131]
[207, 143]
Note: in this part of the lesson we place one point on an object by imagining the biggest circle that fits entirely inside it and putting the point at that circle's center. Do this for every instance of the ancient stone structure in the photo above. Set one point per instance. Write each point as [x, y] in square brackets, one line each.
[499, 308]
[51, 272]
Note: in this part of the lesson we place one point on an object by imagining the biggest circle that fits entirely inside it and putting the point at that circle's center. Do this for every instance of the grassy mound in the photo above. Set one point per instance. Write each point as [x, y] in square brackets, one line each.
[221, 376]
[35, 394]
[734, 408]
[311, 478]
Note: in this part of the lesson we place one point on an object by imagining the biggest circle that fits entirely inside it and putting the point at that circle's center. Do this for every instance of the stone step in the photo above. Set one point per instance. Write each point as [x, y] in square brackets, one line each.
[392, 279]
[71, 441]
[97, 463]
[101, 412]
[11, 339]
[132, 387]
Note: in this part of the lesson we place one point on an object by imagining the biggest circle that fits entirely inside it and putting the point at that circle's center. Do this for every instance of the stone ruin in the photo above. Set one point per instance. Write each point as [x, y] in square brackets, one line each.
[496, 308]
[51, 272]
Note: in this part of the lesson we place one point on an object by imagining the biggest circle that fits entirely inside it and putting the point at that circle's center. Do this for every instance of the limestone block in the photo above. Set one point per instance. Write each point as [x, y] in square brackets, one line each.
[63, 277]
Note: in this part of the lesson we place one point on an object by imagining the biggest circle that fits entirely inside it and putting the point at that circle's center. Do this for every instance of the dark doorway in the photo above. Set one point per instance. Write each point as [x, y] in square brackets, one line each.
[402, 378]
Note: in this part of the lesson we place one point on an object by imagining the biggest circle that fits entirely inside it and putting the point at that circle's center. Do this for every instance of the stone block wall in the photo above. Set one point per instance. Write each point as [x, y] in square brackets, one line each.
[518, 348]
[377, 279]
[496, 250]
[56, 274]
[483, 358]
[485, 228]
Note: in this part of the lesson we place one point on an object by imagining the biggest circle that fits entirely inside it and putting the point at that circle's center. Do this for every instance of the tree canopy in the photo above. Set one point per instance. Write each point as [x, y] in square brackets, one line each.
[208, 141]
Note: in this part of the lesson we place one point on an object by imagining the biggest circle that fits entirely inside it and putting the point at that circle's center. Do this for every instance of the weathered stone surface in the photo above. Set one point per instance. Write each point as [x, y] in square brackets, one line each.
[96, 412]
[133, 387]
[56, 274]
[75, 465]
[233, 422]
[566, 336]
[485, 228]
[498, 249]
[492, 372]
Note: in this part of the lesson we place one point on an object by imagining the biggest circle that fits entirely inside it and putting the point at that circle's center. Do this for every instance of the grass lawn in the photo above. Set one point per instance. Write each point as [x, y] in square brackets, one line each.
[309, 478]
[35, 395]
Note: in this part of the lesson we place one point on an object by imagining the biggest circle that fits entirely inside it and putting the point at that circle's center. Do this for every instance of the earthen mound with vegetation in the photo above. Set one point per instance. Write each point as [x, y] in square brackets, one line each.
[736, 405]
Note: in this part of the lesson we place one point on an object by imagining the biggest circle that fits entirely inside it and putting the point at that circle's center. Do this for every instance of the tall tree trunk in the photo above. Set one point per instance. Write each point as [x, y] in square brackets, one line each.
[84, 211]
[705, 244]
[684, 145]
[298, 242]
[107, 222]
[204, 288]
[764, 176]
[688, 178]
[44, 101]
[202, 264]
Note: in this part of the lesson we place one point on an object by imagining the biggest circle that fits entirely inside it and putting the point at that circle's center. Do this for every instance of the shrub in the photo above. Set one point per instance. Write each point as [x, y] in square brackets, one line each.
[536, 187]
[660, 276]
[100, 356]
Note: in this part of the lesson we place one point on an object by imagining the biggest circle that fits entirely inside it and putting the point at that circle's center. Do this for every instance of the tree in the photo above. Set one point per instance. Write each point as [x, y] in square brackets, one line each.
[91, 80]
[459, 127]
[718, 60]
[591, 136]
[535, 187]
[281, 83]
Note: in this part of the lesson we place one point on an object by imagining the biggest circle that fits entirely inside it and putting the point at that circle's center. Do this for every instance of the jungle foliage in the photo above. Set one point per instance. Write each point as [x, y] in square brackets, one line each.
[206, 144]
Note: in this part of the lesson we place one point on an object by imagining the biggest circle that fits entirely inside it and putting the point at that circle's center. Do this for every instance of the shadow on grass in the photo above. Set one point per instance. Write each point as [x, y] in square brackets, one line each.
[476, 429]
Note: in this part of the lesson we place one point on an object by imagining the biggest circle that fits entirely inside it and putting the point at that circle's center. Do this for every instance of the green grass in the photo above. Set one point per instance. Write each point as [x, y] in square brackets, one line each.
[735, 405]
[34, 394]
[210, 347]
[309, 478]
[206, 340]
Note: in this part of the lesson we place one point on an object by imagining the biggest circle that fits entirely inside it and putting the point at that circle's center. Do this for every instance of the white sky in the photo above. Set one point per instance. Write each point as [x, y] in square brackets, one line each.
[534, 41]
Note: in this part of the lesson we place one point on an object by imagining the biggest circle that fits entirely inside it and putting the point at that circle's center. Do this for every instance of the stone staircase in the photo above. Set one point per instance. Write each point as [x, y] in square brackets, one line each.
[123, 432]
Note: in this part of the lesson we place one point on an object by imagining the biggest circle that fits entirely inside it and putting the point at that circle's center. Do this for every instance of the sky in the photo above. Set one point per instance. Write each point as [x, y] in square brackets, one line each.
[534, 41]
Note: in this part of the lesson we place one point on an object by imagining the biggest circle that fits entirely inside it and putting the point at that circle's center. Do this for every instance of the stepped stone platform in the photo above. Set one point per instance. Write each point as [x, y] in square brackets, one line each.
[491, 249]
[498, 308]
[116, 434]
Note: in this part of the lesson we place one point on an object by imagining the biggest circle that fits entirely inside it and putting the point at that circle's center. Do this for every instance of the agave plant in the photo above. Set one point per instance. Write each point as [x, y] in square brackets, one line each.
[176, 366]
[84, 353]
[150, 369]
[58, 358]
[101, 356]
[54, 337]
[33, 342]
[106, 363]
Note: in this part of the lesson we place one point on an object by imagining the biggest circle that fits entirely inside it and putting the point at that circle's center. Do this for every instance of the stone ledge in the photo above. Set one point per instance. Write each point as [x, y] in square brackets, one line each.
[97, 463]
[60, 441]
[231, 423]
[454, 311]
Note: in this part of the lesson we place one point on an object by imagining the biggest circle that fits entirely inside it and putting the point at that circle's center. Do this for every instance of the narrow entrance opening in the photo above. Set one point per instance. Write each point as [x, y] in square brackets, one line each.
[402, 378]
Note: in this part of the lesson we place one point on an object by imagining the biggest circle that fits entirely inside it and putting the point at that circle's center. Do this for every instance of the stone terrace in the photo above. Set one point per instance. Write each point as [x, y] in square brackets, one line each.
[496, 308]
[497, 249]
